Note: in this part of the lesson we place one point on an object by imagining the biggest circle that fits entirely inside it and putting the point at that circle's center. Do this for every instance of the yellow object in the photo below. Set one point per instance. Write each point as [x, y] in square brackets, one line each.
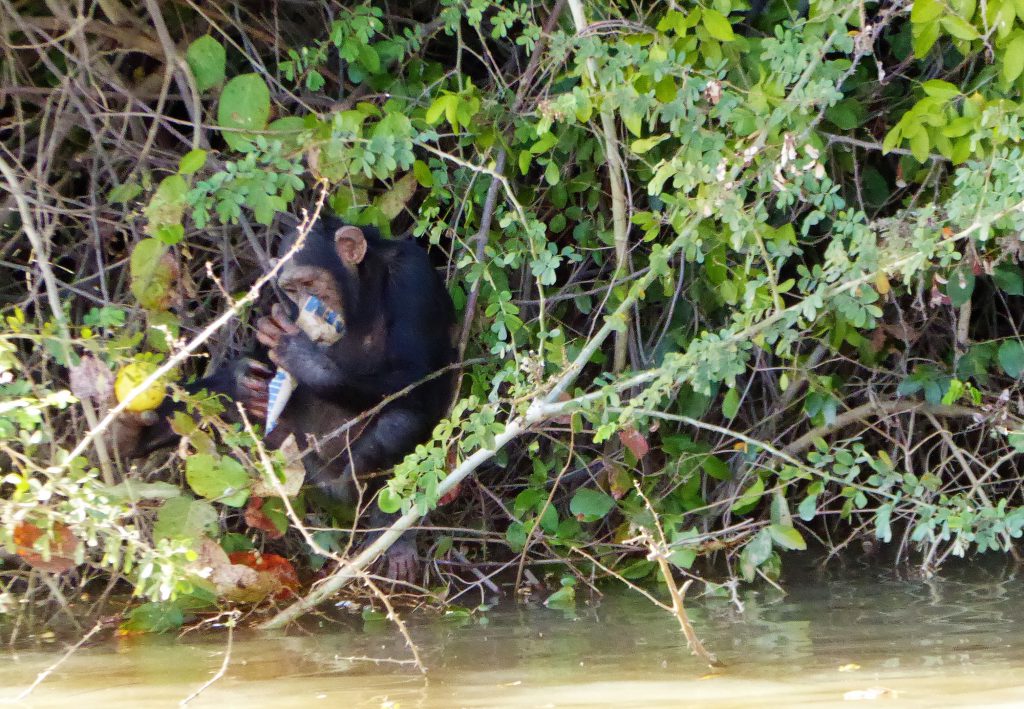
[129, 377]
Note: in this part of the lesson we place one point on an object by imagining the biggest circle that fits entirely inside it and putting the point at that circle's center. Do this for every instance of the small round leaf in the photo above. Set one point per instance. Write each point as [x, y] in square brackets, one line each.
[206, 58]
[244, 106]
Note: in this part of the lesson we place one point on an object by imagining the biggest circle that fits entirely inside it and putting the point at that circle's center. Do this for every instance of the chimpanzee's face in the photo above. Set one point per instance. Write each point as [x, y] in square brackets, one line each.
[300, 282]
[319, 266]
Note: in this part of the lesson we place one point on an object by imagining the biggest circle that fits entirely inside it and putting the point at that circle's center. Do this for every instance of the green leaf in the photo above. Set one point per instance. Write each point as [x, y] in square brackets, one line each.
[919, 145]
[552, 175]
[716, 468]
[369, 58]
[937, 88]
[1013, 58]
[892, 138]
[437, 109]
[274, 510]
[959, 127]
[124, 193]
[392, 202]
[959, 27]
[1016, 439]
[525, 160]
[165, 209]
[717, 25]
[1011, 357]
[544, 144]
[1009, 279]
[808, 508]
[674, 21]
[223, 480]
[423, 174]
[206, 59]
[288, 130]
[731, 404]
[244, 106]
[638, 569]
[787, 537]
[633, 120]
[185, 518]
[847, 114]
[162, 326]
[515, 536]
[642, 145]
[883, 526]
[152, 276]
[683, 558]
[960, 286]
[562, 599]
[925, 39]
[135, 490]
[757, 551]
[750, 497]
[590, 505]
[924, 11]
[192, 162]
[154, 618]
[389, 501]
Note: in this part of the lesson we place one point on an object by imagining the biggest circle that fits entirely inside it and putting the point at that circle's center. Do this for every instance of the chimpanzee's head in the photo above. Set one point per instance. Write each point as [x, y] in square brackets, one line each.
[327, 261]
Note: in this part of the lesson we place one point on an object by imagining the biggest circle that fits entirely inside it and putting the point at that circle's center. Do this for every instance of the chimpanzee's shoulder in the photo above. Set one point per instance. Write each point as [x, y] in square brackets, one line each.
[408, 249]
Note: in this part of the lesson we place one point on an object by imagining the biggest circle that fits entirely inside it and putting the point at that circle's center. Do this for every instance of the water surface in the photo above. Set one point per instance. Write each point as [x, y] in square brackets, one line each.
[838, 636]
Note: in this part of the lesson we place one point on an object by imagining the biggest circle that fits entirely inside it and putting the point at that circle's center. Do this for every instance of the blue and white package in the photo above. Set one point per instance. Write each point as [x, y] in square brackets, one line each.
[324, 327]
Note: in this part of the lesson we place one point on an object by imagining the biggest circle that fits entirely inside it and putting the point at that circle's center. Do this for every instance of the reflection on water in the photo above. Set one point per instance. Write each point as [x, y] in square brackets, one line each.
[955, 641]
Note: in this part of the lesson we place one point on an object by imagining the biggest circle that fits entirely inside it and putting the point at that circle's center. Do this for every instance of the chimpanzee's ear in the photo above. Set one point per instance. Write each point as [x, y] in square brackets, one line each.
[350, 244]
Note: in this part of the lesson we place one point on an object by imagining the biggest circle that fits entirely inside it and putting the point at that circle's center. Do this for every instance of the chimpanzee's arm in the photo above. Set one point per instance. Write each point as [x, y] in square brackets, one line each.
[137, 437]
[332, 372]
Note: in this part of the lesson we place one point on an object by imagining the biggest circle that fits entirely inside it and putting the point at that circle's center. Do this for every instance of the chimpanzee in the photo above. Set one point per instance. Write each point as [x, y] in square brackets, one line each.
[398, 320]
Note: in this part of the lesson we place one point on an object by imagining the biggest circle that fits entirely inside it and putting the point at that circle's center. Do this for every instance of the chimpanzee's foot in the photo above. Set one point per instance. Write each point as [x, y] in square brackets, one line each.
[402, 562]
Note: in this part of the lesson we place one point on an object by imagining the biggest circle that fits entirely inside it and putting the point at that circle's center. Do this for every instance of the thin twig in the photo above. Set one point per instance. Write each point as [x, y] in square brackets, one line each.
[49, 670]
[223, 665]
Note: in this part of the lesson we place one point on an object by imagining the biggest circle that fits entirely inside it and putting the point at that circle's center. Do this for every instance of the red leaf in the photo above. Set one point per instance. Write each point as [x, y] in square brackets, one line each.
[450, 496]
[452, 461]
[634, 440]
[62, 550]
[277, 566]
[255, 518]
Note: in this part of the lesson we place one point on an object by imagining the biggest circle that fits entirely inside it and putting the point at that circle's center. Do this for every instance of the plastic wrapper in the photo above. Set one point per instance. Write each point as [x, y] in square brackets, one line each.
[324, 327]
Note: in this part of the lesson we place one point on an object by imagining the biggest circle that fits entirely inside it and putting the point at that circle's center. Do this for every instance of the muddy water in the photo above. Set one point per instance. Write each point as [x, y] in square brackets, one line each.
[838, 637]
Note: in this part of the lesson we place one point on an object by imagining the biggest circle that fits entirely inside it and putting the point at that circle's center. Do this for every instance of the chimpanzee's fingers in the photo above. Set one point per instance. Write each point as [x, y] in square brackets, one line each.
[253, 386]
[402, 562]
[268, 332]
[281, 318]
[400, 569]
[137, 419]
[258, 369]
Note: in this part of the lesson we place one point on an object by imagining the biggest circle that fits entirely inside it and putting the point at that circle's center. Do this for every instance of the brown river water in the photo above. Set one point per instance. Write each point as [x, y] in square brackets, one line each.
[847, 636]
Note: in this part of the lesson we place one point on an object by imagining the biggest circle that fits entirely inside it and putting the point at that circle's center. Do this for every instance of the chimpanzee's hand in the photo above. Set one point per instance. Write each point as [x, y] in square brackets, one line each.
[128, 428]
[253, 380]
[274, 331]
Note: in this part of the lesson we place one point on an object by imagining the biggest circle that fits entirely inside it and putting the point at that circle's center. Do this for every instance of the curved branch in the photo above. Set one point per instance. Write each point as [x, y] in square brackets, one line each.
[873, 409]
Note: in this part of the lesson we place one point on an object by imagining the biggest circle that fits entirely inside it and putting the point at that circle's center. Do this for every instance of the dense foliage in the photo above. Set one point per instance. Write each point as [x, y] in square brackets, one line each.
[731, 280]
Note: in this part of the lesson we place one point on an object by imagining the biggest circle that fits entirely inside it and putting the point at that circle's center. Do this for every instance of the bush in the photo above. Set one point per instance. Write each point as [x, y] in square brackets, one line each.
[729, 280]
